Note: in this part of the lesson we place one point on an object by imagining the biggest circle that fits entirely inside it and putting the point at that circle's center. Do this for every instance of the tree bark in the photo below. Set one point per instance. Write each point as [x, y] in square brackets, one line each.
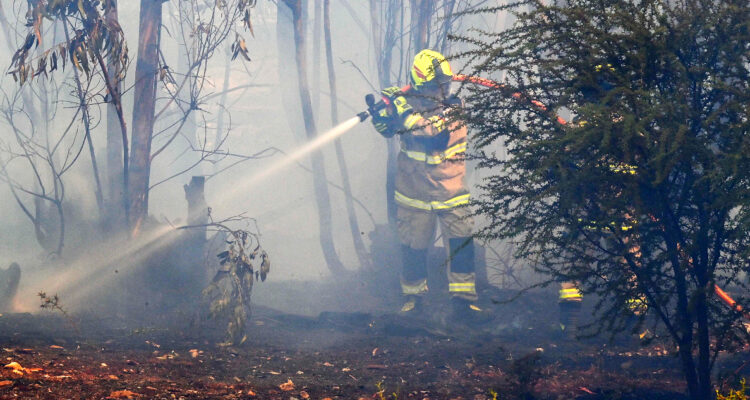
[684, 322]
[322, 197]
[114, 164]
[287, 70]
[146, 78]
[421, 11]
[193, 253]
[359, 245]
[704, 344]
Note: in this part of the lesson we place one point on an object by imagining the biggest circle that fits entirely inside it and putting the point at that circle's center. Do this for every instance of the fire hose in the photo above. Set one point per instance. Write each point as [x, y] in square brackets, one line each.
[375, 107]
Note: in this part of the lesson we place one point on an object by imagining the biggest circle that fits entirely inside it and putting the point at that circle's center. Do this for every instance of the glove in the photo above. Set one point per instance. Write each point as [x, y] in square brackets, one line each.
[398, 104]
[384, 124]
[453, 101]
[438, 122]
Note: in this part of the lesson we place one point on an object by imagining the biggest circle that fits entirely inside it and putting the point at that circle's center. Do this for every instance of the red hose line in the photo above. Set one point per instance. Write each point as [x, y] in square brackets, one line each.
[730, 301]
[476, 80]
[494, 85]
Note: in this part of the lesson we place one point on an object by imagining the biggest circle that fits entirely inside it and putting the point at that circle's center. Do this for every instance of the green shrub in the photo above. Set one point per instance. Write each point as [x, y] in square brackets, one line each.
[740, 394]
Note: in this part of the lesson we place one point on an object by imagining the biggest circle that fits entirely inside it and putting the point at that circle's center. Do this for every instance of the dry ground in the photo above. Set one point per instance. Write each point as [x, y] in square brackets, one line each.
[336, 355]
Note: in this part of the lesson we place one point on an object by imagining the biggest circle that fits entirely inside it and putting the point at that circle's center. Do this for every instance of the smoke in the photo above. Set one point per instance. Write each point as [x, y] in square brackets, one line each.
[275, 190]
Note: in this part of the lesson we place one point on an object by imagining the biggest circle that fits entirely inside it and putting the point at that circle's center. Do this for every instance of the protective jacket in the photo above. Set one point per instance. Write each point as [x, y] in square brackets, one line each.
[431, 163]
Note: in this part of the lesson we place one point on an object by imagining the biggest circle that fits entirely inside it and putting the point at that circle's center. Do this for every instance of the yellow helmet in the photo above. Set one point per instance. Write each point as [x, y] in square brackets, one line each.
[429, 66]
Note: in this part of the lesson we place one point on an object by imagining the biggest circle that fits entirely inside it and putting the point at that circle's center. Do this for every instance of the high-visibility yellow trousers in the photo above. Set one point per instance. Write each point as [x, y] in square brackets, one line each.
[416, 229]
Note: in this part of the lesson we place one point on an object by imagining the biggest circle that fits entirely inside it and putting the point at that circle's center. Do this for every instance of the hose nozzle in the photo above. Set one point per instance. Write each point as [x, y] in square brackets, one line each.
[374, 108]
[363, 116]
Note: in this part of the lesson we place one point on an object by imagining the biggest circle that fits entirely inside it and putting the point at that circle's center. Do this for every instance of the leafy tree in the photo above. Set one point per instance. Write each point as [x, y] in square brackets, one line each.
[96, 50]
[645, 195]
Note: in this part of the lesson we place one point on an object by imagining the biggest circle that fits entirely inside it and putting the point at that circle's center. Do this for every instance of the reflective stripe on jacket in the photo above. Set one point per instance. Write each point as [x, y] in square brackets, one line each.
[430, 178]
[437, 157]
[432, 205]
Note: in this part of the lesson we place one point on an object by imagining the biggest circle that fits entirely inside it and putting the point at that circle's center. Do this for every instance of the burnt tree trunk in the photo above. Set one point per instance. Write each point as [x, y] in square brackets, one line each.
[359, 245]
[195, 237]
[146, 78]
[47, 227]
[9, 279]
[322, 197]
[197, 208]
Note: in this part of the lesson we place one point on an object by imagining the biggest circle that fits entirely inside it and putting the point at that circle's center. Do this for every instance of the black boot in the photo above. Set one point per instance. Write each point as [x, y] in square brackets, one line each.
[570, 312]
[467, 312]
[412, 306]
[414, 270]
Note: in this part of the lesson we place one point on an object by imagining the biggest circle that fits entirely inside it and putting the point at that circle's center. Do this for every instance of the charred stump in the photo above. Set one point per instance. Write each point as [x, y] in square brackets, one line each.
[197, 208]
[194, 242]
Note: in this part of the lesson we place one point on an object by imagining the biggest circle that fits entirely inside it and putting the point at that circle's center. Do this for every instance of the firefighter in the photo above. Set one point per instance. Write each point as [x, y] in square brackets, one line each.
[430, 187]
[569, 306]
[571, 297]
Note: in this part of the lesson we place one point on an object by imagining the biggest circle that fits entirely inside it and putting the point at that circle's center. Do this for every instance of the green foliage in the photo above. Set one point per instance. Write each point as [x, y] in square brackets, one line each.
[229, 292]
[381, 392]
[645, 192]
[740, 394]
[95, 37]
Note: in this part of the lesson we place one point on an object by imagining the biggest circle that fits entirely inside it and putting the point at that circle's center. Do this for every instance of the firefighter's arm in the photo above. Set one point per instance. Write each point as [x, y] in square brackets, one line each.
[432, 132]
